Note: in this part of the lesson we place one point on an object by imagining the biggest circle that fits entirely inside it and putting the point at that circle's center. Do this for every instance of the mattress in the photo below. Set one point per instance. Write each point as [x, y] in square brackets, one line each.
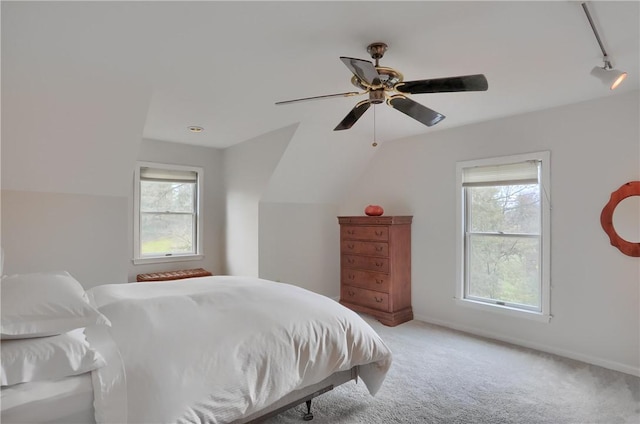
[68, 401]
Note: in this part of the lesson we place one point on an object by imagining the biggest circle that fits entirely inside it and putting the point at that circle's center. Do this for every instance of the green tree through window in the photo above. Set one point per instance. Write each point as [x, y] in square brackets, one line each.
[167, 217]
[503, 243]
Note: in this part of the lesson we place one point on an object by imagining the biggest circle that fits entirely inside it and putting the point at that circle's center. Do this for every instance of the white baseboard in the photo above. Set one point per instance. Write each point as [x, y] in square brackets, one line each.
[605, 363]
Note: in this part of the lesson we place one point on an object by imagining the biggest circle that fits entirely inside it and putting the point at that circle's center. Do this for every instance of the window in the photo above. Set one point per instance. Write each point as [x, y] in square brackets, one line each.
[167, 213]
[503, 234]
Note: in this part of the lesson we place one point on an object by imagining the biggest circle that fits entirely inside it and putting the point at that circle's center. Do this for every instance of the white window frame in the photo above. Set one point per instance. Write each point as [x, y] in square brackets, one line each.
[137, 257]
[544, 314]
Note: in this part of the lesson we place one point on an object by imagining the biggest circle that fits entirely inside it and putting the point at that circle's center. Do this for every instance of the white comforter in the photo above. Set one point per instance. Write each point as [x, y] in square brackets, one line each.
[216, 349]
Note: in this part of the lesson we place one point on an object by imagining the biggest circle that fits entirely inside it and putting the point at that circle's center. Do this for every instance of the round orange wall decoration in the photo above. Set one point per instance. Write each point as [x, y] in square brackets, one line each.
[629, 189]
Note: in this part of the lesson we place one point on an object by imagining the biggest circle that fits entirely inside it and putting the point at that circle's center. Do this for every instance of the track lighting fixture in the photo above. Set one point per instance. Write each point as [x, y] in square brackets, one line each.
[609, 76]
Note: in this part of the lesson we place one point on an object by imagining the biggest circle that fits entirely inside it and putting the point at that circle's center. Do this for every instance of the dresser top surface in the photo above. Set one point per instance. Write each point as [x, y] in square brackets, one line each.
[375, 220]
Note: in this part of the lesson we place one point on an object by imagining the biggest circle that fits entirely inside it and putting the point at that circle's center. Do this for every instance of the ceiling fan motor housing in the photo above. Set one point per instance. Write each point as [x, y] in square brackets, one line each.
[388, 78]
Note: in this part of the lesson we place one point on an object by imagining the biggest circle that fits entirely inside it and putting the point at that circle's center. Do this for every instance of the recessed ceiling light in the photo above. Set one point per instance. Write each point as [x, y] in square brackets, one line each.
[196, 129]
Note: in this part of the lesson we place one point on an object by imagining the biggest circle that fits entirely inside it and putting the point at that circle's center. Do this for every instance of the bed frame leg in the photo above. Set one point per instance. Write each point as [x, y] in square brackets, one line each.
[308, 416]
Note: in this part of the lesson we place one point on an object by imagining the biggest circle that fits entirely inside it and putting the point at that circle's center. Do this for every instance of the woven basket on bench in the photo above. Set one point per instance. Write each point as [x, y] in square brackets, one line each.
[173, 275]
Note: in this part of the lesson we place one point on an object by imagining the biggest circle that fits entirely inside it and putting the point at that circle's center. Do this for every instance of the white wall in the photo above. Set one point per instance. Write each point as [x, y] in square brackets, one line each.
[298, 229]
[83, 234]
[278, 226]
[69, 143]
[248, 167]
[595, 148]
[91, 235]
[298, 245]
[213, 207]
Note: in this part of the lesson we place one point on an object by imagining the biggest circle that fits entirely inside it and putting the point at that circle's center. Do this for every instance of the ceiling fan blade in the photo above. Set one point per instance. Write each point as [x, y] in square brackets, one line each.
[363, 69]
[444, 85]
[353, 115]
[326, 96]
[415, 110]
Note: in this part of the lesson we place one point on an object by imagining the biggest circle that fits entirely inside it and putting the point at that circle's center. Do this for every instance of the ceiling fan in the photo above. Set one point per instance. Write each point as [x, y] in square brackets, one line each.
[386, 84]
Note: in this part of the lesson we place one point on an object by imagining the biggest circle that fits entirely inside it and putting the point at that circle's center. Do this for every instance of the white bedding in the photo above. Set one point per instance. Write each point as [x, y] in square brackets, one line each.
[65, 401]
[217, 349]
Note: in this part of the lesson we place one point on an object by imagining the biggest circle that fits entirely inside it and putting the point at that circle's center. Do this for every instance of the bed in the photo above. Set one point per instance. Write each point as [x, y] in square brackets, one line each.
[216, 349]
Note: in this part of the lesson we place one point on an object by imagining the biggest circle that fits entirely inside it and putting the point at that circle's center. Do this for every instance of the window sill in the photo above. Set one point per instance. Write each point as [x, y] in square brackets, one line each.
[504, 310]
[161, 259]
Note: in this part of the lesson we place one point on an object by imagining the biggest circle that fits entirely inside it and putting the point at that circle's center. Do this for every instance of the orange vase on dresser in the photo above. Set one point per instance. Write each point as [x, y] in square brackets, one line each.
[375, 262]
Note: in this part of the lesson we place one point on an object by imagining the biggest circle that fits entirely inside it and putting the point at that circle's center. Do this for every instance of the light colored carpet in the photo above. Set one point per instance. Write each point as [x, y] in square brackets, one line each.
[441, 376]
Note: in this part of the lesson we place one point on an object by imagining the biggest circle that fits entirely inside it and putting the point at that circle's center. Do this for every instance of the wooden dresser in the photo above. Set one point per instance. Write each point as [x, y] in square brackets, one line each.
[375, 262]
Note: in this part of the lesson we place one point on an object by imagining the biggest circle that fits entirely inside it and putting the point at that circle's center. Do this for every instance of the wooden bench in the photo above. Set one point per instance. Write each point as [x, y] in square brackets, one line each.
[173, 275]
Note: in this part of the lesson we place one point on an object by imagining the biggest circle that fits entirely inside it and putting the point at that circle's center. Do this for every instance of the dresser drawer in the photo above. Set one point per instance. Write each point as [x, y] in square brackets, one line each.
[366, 279]
[364, 248]
[366, 263]
[352, 232]
[364, 297]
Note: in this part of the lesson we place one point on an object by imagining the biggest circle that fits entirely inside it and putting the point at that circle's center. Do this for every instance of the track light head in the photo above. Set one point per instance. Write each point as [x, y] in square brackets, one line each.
[610, 77]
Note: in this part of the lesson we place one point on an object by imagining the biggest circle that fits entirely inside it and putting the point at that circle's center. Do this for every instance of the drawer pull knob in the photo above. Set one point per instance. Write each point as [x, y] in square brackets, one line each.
[351, 293]
[378, 233]
[378, 300]
[350, 246]
[351, 261]
[379, 281]
[379, 248]
[350, 232]
[379, 264]
[352, 277]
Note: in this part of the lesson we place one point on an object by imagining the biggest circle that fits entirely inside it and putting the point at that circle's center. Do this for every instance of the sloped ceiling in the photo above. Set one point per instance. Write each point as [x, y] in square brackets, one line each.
[70, 131]
[93, 78]
[318, 166]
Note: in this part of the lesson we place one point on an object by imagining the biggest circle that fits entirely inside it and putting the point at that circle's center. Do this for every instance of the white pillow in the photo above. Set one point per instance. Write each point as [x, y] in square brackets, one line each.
[48, 358]
[44, 304]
